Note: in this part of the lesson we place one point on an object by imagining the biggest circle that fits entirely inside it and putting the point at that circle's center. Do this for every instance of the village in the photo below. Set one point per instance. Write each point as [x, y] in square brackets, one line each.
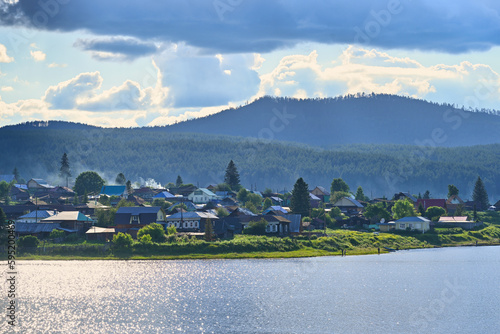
[46, 211]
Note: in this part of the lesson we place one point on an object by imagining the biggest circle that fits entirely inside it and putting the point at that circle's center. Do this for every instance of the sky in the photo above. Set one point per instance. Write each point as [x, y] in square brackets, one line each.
[145, 63]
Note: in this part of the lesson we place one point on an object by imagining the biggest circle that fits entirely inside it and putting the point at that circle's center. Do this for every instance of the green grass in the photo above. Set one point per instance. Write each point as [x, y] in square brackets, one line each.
[243, 246]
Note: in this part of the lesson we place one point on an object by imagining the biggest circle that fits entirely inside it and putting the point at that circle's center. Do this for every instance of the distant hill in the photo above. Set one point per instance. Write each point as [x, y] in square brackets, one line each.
[371, 119]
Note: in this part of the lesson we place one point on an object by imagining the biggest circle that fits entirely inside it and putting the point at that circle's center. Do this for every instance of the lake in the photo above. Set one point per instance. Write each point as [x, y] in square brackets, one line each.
[447, 290]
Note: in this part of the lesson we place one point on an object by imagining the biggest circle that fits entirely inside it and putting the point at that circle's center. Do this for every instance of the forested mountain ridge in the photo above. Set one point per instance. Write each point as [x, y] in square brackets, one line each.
[370, 119]
[201, 159]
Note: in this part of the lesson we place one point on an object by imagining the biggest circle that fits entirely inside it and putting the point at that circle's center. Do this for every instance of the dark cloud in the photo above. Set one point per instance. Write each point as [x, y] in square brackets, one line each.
[126, 48]
[230, 26]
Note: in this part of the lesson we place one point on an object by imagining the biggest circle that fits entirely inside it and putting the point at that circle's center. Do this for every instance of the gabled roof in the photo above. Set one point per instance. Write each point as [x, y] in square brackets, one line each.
[275, 208]
[40, 214]
[323, 190]
[99, 230]
[353, 202]
[191, 215]
[427, 203]
[458, 219]
[164, 194]
[313, 197]
[454, 199]
[30, 228]
[42, 183]
[412, 219]
[408, 195]
[205, 191]
[113, 190]
[137, 210]
[68, 216]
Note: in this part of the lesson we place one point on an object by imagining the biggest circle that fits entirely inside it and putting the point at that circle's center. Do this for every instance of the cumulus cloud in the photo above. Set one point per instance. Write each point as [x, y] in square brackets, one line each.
[65, 94]
[367, 70]
[262, 25]
[38, 55]
[116, 48]
[199, 80]
[4, 58]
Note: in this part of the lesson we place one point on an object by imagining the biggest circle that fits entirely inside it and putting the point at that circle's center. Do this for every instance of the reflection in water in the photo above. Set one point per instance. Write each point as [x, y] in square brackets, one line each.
[393, 293]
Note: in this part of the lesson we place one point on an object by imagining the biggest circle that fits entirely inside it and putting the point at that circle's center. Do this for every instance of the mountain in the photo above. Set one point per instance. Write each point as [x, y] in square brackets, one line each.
[370, 119]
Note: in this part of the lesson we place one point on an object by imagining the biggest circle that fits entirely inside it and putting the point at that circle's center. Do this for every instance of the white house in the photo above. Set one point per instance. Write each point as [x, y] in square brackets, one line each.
[413, 223]
[202, 196]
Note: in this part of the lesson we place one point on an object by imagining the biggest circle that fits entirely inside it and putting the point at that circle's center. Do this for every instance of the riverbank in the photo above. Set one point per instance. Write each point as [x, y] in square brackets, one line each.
[243, 246]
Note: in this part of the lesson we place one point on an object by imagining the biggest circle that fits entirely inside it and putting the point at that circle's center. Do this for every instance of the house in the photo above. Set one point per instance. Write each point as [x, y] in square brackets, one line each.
[497, 206]
[189, 206]
[314, 200]
[40, 230]
[190, 221]
[100, 233]
[322, 193]
[145, 193]
[71, 220]
[403, 195]
[453, 202]
[387, 226]
[275, 200]
[275, 209]
[136, 200]
[38, 184]
[19, 194]
[184, 190]
[131, 219]
[202, 196]
[459, 221]
[348, 205]
[35, 216]
[120, 191]
[427, 203]
[413, 223]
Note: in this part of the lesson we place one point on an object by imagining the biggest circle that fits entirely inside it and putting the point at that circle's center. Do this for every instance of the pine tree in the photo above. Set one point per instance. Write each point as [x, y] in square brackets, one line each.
[209, 230]
[300, 198]
[179, 181]
[427, 194]
[480, 196]
[232, 177]
[16, 174]
[120, 179]
[64, 170]
[360, 195]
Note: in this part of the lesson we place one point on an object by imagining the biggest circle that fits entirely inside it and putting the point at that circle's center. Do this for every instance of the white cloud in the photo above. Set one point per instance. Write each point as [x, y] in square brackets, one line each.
[7, 89]
[38, 55]
[4, 58]
[65, 94]
[361, 70]
[54, 65]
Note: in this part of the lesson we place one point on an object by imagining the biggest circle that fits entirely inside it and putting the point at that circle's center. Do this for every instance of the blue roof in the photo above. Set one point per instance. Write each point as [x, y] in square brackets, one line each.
[113, 190]
[192, 214]
[164, 194]
[275, 208]
[412, 219]
[40, 214]
[137, 210]
[7, 178]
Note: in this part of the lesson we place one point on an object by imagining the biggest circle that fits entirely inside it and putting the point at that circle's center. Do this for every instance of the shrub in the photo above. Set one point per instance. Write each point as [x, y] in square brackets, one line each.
[55, 234]
[28, 241]
[171, 230]
[122, 241]
[146, 239]
[256, 227]
[155, 230]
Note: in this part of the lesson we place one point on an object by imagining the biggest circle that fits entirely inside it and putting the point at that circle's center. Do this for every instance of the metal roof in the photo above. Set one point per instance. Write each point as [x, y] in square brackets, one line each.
[98, 230]
[137, 210]
[164, 194]
[68, 216]
[41, 214]
[113, 190]
[29, 228]
[412, 219]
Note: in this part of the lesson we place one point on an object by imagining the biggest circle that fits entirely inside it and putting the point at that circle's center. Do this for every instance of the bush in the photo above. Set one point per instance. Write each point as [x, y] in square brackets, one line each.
[122, 241]
[28, 241]
[155, 230]
[256, 227]
[171, 230]
[146, 239]
[55, 234]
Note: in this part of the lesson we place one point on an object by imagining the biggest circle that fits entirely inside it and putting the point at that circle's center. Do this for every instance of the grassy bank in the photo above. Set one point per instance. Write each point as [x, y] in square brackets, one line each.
[244, 246]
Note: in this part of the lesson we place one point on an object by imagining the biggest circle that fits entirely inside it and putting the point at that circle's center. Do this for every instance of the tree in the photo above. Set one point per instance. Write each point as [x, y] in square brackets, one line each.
[89, 182]
[267, 192]
[338, 195]
[222, 212]
[120, 179]
[146, 239]
[480, 196]
[267, 203]
[209, 230]
[421, 209]
[335, 212]
[129, 187]
[452, 190]
[179, 181]
[16, 175]
[242, 195]
[155, 230]
[375, 212]
[250, 206]
[360, 195]
[232, 177]
[104, 200]
[434, 212]
[3, 228]
[64, 170]
[55, 234]
[403, 208]
[255, 199]
[300, 198]
[4, 190]
[256, 227]
[339, 185]
[427, 195]
[85, 198]
[171, 230]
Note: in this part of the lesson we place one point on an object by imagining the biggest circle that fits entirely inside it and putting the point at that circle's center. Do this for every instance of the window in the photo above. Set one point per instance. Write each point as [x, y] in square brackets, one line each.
[402, 226]
[135, 219]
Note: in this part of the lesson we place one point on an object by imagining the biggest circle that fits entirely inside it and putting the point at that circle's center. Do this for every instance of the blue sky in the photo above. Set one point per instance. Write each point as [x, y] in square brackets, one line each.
[136, 63]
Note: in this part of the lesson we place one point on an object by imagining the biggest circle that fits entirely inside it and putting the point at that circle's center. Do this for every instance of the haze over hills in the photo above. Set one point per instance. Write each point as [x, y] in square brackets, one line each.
[316, 144]
[370, 119]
